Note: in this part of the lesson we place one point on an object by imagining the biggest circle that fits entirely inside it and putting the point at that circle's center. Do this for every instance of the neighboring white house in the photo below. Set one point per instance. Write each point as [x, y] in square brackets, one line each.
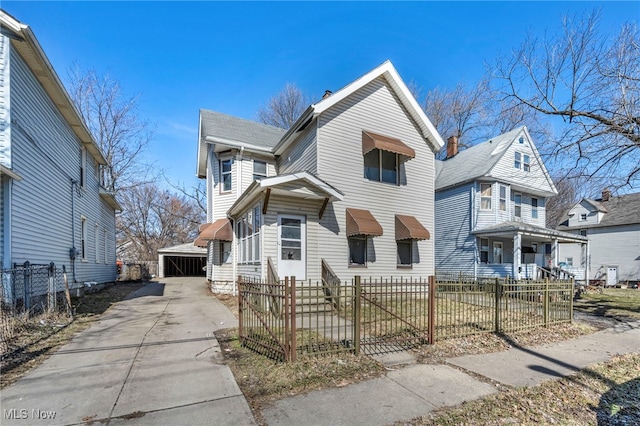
[612, 225]
[53, 208]
[490, 210]
[350, 185]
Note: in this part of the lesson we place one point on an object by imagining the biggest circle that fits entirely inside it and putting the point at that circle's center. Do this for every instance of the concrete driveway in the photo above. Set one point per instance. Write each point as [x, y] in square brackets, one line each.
[151, 359]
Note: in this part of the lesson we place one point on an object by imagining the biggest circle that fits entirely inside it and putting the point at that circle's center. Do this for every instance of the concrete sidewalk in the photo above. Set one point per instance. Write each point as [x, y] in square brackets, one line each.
[416, 390]
[149, 360]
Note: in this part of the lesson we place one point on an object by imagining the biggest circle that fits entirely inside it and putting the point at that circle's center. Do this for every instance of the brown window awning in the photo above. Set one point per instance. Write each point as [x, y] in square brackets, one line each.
[199, 242]
[371, 141]
[220, 230]
[362, 222]
[409, 228]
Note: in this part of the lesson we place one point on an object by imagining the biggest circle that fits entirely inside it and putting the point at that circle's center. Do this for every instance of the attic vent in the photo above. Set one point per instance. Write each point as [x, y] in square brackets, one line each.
[521, 140]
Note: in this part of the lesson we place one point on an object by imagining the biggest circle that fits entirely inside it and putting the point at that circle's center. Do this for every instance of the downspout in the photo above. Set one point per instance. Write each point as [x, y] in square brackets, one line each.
[476, 252]
[72, 252]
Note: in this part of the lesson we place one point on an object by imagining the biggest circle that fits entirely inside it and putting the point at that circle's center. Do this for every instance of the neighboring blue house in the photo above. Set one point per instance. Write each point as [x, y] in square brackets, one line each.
[490, 210]
[51, 199]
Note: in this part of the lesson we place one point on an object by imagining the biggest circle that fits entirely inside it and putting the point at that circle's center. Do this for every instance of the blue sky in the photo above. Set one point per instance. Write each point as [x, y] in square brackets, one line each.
[233, 56]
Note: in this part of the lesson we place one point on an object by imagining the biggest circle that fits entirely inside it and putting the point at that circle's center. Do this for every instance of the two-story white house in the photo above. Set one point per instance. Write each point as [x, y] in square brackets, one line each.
[350, 185]
[490, 210]
[52, 206]
[612, 225]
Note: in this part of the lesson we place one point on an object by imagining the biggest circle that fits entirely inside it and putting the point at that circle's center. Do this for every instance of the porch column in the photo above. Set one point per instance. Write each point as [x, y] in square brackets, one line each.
[587, 267]
[517, 254]
[555, 253]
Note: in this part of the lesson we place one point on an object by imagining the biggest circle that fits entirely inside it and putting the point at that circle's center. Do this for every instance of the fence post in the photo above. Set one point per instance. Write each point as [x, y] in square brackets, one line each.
[27, 286]
[294, 343]
[572, 293]
[52, 287]
[431, 327]
[240, 287]
[546, 302]
[496, 325]
[287, 320]
[357, 312]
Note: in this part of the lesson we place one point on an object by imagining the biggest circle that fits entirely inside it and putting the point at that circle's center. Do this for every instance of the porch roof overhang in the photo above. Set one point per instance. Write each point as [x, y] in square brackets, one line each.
[509, 229]
[302, 185]
[220, 230]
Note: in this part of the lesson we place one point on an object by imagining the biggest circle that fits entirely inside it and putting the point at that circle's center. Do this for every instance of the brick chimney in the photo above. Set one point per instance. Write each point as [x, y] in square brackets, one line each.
[452, 146]
[327, 93]
[606, 194]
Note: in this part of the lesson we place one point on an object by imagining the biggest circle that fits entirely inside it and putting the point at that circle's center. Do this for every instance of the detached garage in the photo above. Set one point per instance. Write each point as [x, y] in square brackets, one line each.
[184, 260]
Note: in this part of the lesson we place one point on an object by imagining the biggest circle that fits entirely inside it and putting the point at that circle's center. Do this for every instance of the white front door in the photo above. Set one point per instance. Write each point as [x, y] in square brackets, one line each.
[292, 256]
[612, 275]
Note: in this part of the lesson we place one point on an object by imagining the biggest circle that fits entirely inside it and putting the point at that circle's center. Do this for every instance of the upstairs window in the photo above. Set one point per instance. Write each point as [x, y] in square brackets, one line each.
[83, 238]
[526, 163]
[259, 170]
[485, 196]
[83, 167]
[503, 198]
[225, 175]
[517, 163]
[517, 203]
[583, 217]
[534, 208]
[381, 166]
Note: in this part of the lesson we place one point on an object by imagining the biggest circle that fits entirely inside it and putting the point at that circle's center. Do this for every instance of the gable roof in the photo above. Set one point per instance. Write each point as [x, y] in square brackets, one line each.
[620, 210]
[480, 160]
[233, 132]
[25, 43]
[389, 73]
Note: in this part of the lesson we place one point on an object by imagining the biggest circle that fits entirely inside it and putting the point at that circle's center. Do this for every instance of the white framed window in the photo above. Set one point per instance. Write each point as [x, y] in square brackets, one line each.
[526, 163]
[485, 196]
[259, 170]
[583, 232]
[405, 253]
[583, 217]
[225, 252]
[484, 250]
[248, 233]
[357, 250]
[381, 166]
[97, 242]
[83, 167]
[83, 237]
[534, 208]
[517, 161]
[517, 204]
[503, 198]
[225, 175]
[497, 252]
[569, 261]
[104, 241]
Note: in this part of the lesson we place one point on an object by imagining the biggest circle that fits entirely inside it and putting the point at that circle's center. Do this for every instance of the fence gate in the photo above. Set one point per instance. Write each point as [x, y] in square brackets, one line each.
[394, 315]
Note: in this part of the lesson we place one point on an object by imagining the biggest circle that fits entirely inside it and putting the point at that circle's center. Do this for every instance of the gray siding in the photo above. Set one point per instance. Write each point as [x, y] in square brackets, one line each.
[340, 162]
[302, 156]
[46, 153]
[455, 246]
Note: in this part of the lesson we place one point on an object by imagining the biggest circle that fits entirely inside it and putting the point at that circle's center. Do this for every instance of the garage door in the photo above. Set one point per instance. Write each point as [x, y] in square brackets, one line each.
[179, 266]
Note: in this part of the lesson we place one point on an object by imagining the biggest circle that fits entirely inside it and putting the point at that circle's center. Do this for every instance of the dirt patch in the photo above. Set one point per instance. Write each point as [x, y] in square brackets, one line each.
[230, 301]
[37, 338]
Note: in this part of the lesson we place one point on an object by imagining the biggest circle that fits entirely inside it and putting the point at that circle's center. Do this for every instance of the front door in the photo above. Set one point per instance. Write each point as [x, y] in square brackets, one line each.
[497, 252]
[292, 256]
[612, 275]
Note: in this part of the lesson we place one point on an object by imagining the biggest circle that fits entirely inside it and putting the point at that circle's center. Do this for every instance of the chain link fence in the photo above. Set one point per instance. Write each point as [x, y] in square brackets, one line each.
[31, 292]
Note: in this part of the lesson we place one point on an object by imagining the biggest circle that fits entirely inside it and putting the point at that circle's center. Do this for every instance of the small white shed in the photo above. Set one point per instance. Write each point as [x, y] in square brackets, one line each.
[184, 260]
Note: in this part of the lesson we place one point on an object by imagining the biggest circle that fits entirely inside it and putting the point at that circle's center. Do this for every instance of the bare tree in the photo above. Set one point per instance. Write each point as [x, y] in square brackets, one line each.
[558, 206]
[154, 218]
[115, 123]
[285, 108]
[590, 83]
